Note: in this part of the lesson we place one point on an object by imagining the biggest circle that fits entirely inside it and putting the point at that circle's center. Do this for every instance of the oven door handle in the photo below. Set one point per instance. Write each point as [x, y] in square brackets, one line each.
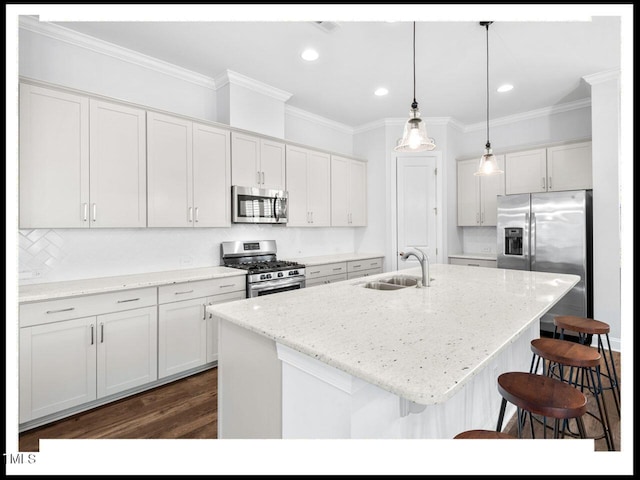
[275, 284]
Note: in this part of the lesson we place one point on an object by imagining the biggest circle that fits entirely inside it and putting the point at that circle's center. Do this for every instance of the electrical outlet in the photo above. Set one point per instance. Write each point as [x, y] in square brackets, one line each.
[486, 249]
[29, 274]
[186, 261]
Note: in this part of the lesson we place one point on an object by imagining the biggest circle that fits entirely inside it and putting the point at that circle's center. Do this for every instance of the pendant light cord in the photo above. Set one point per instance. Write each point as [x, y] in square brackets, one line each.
[414, 105]
[488, 143]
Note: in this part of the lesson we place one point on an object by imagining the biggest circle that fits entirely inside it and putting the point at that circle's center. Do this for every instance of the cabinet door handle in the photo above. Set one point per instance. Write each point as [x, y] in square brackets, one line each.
[85, 206]
[182, 293]
[477, 217]
[550, 187]
[357, 266]
[313, 273]
[228, 285]
[258, 177]
[337, 269]
[102, 333]
[63, 310]
[543, 183]
[473, 264]
[210, 314]
[128, 300]
[311, 217]
[204, 311]
[94, 212]
[190, 214]
[92, 334]
[262, 178]
[482, 217]
[197, 220]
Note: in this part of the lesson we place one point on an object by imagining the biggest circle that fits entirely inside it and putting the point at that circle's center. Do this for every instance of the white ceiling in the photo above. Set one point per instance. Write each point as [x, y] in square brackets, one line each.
[544, 60]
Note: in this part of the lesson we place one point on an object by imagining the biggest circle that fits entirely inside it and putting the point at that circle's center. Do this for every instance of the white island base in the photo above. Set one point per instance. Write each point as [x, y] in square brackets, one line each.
[287, 394]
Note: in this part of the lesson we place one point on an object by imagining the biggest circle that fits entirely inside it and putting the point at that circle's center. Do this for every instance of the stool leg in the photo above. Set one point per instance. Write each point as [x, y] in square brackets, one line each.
[615, 385]
[598, 393]
[503, 406]
[581, 428]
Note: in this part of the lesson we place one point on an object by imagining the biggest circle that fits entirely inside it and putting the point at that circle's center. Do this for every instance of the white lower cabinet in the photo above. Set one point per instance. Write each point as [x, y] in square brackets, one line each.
[67, 363]
[364, 268]
[327, 273]
[187, 337]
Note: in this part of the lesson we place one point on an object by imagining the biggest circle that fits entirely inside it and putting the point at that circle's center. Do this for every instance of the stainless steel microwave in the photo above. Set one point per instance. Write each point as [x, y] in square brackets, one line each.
[258, 205]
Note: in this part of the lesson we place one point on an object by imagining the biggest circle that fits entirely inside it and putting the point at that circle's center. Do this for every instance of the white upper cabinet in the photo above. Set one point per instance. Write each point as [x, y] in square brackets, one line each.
[82, 161]
[526, 172]
[54, 159]
[348, 192]
[564, 167]
[308, 175]
[477, 195]
[117, 165]
[257, 162]
[188, 168]
[569, 167]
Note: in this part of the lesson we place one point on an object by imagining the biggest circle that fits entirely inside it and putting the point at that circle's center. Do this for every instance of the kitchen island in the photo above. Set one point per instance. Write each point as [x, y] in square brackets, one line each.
[346, 361]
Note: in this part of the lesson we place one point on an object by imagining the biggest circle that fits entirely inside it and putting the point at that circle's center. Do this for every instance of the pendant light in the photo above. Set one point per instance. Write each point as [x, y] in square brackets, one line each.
[488, 163]
[414, 137]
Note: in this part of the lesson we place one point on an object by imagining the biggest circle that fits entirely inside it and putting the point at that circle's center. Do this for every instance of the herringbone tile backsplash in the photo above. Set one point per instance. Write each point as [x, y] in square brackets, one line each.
[50, 255]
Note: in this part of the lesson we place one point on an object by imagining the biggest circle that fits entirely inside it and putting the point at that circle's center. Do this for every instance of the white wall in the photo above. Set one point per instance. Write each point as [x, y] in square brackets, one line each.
[605, 94]
[312, 130]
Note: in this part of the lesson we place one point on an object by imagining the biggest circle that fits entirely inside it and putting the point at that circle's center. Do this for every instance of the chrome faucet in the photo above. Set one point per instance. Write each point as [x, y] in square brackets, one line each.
[424, 263]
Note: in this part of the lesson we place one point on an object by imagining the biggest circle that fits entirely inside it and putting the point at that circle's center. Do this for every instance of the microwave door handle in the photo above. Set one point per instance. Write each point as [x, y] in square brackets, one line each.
[275, 210]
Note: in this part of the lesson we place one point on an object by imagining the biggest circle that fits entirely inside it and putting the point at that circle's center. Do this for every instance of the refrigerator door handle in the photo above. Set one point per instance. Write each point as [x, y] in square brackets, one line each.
[532, 248]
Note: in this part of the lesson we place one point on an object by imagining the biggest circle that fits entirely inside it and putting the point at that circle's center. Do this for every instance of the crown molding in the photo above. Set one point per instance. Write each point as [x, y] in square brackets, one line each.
[601, 77]
[540, 112]
[317, 119]
[234, 78]
[87, 42]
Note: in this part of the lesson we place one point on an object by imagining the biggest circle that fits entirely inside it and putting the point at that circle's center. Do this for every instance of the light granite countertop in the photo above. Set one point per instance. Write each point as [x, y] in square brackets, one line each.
[71, 288]
[334, 258]
[422, 344]
[475, 256]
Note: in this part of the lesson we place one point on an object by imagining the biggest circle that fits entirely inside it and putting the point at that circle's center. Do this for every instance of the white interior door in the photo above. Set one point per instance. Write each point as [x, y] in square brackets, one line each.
[416, 206]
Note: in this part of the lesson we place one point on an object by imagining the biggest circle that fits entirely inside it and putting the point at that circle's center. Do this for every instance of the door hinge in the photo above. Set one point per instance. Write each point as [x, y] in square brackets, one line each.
[435, 210]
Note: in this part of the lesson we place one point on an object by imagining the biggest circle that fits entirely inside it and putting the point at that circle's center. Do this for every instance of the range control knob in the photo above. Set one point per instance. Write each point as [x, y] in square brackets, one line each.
[293, 272]
[280, 274]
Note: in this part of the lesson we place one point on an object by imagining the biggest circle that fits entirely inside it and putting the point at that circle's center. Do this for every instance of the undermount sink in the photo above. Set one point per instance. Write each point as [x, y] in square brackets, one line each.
[403, 281]
[392, 283]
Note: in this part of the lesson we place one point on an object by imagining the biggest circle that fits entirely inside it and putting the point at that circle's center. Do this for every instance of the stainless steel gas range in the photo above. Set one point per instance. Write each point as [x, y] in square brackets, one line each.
[265, 273]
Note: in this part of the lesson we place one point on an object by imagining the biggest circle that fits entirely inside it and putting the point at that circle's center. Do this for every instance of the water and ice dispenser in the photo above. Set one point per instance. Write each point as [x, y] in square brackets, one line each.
[513, 241]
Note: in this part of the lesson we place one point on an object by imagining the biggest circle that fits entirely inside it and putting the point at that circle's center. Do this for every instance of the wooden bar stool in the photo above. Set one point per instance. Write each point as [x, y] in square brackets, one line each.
[585, 327]
[483, 435]
[584, 371]
[541, 395]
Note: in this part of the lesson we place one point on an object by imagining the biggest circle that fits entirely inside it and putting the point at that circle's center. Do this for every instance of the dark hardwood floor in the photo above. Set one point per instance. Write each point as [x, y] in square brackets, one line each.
[184, 409]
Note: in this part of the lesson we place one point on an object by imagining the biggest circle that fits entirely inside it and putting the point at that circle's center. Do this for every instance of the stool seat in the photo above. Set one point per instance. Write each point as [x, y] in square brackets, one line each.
[581, 324]
[565, 352]
[542, 395]
[484, 435]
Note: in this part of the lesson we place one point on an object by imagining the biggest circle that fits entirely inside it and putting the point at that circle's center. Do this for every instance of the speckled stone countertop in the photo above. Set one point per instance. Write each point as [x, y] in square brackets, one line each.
[422, 344]
[335, 258]
[475, 256]
[49, 291]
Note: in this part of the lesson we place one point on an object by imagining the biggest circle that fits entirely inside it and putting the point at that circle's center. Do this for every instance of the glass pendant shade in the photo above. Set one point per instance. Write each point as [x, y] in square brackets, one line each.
[488, 164]
[414, 137]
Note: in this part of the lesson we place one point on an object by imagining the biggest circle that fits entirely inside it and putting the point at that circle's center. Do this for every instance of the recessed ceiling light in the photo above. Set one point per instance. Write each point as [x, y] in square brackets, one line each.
[505, 88]
[310, 55]
[380, 92]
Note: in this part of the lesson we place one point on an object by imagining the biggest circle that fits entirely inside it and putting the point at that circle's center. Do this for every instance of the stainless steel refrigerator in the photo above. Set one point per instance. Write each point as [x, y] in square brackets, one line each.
[550, 232]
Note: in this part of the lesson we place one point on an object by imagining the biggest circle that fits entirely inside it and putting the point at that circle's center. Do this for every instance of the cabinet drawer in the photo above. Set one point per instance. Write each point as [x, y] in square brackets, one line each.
[367, 264]
[472, 262]
[324, 280]
[37, 313]
[325, 270]
[363, 273]
[200, 288]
